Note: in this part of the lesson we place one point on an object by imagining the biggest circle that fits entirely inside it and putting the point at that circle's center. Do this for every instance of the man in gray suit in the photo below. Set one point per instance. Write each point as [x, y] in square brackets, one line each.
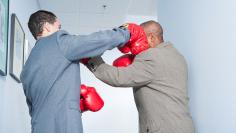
[159, 80]
[51, 75]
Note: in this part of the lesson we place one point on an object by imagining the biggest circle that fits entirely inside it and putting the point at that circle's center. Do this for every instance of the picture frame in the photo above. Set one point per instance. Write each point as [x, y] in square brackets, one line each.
[16, 48]
[27, 50]
[4, 22]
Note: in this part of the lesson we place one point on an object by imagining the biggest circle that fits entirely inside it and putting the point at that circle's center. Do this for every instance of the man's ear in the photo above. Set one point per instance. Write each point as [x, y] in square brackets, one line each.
[150, 39]
[46, 27]
[160, 39]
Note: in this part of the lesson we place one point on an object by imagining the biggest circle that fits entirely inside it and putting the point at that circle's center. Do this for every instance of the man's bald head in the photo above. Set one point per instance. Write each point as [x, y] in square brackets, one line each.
[152, 26]
[153, 29]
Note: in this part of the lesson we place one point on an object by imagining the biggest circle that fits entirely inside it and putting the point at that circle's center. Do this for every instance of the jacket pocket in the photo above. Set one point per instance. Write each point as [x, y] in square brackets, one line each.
[74, 118]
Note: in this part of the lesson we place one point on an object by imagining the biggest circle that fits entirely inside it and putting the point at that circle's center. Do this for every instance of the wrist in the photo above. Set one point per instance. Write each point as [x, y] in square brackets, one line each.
[94, 62]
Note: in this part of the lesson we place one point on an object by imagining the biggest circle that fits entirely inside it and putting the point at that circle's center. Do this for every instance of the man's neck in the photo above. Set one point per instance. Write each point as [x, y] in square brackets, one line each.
[45, 34]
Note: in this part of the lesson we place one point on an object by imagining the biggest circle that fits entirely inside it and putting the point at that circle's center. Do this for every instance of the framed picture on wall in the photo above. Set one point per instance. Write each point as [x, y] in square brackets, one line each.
[16, 48]
[4, 10]
[27, 50]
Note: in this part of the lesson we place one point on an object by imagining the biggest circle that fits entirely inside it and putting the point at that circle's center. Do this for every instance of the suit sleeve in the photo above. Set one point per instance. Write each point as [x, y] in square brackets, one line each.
[76, 47]
[137, 74]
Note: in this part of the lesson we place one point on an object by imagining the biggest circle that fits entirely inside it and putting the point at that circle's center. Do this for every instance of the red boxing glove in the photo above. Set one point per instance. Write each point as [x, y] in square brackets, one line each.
[124, 60]
[125, 49]
[82, 106]
[90, 100]
[138, 40]
[85, 61]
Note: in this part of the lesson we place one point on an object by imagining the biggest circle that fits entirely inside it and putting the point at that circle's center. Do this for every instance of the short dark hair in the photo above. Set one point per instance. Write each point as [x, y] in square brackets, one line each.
[37, 21]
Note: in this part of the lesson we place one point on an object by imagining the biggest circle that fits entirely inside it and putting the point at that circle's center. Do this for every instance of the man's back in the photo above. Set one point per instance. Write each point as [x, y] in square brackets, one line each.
[51, 85]
[163, 103]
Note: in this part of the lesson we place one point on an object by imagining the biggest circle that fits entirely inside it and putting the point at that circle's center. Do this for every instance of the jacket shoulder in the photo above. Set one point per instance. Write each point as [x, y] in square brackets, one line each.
[148, 54]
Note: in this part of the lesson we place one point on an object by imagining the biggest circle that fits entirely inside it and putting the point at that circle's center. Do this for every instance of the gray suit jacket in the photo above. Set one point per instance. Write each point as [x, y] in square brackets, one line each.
[51, 77]
[159, 80]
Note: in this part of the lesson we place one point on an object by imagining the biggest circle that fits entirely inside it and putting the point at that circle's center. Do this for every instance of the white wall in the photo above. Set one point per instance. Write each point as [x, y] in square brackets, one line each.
[204, 31]
[14, 116]
[139, 19]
